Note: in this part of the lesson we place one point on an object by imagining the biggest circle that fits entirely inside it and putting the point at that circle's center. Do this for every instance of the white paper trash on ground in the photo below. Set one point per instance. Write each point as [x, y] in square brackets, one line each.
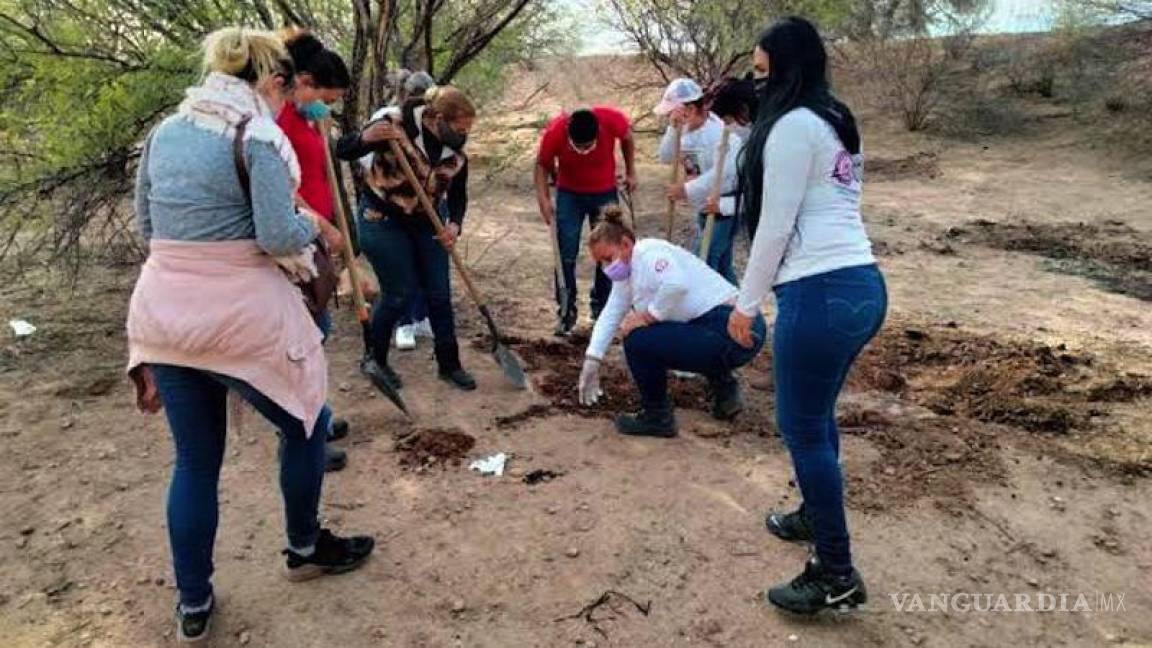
[21, 327]
[493, 465]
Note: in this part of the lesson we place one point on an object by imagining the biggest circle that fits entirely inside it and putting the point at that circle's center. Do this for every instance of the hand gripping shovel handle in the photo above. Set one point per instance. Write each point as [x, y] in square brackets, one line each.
[717, 185]
[508, 362]
[353, 271]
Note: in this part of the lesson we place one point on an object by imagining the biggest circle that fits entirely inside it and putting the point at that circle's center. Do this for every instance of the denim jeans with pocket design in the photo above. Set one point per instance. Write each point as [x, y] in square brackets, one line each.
[822, 323]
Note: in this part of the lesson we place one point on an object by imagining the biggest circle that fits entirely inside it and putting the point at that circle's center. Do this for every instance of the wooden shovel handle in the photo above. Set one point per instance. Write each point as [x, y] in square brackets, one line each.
[674, 178]
[342, 223]
[717, 185]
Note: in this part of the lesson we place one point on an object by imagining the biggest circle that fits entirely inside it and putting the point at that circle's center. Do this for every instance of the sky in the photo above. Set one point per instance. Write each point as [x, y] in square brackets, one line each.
[1007, 16]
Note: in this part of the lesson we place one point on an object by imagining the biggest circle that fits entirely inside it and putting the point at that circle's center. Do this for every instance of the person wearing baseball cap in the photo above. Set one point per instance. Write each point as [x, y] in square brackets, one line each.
[578, 149]
[685, 105]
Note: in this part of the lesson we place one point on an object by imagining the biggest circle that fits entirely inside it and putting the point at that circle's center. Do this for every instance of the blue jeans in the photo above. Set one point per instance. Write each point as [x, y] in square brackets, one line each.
[822, 324]
[700, 346]
[720, 250]
[195, 403]
[407, 258]
[419, 309]
[572, 209]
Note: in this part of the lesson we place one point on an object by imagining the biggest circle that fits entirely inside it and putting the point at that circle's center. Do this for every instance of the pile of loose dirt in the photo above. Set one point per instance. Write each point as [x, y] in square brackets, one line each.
[424, 449]
[921, 165]
[937, 457]
[555, 367]
[1113, 254]
[1025, 385]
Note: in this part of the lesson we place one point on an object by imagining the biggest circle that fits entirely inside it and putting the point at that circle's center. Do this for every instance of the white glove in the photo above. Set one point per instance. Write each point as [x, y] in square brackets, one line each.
[590, 391]
[299, 267]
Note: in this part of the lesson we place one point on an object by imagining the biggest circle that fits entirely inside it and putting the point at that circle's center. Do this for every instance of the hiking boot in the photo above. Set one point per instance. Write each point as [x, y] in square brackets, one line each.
[382, 373]
[193, 627]
[460, 378]
[335, 459]
[339, 430]
[790, 527]
[651, 423]
[331, 555]
[815, 590]
[727, 402]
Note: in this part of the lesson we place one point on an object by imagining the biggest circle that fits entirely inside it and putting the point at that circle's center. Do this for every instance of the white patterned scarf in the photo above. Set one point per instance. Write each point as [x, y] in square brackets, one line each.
[222, 101]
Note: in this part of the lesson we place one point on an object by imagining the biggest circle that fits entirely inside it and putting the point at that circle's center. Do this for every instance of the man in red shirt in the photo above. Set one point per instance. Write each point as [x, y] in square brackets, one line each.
[579, 151]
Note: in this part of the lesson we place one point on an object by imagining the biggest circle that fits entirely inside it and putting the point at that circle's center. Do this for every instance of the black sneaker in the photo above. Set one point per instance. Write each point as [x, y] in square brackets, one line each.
[383, 373]
[790, 527]
[727, 402]
[651, 423]
[339, 430]
[815, 590]
[335, 459]
[563, 328]
[333, 555]
[193, 627]
[460, 378]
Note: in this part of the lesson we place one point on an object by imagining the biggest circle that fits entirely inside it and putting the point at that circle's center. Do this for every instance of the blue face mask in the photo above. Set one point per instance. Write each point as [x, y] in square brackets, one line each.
[314, 110]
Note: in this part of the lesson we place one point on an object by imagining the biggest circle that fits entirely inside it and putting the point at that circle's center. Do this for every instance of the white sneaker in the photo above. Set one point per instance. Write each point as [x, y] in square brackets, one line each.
[423, 328]
[405, 337]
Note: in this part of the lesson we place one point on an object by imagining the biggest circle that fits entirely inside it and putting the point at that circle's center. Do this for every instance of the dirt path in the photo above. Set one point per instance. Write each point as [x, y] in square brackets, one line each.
[956, 485]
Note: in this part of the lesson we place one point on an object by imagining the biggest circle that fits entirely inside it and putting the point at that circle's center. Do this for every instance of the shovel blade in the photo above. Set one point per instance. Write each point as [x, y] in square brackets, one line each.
[511, 365]
[384, 387]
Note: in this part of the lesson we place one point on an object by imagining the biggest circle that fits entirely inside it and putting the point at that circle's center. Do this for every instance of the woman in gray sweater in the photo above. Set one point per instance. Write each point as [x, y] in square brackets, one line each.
[215, 310]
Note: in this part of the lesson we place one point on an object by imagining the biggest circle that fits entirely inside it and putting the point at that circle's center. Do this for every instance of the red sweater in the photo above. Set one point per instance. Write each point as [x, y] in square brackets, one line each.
[309, 146]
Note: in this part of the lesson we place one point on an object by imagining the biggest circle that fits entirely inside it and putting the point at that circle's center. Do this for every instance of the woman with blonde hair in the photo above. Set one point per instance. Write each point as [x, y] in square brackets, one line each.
[215, 310]
[394, 231]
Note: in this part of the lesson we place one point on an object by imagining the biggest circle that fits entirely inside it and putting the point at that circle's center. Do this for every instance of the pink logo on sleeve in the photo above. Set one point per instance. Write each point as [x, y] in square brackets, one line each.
[845, 168]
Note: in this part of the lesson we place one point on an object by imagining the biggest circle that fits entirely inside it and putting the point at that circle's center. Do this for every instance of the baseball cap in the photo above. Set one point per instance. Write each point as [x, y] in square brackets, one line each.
[678, 93]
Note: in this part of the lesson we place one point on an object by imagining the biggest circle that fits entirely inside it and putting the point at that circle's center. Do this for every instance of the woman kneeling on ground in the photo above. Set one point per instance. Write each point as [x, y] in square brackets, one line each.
[671, 310]
[213, 312]
[801, 182]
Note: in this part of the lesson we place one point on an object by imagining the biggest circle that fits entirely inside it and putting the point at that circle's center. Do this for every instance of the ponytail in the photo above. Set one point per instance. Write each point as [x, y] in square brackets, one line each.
[248, 54]
[611, 229]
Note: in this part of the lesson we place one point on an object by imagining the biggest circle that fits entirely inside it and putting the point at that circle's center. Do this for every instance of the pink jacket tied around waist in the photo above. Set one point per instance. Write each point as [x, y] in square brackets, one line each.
[226, 307]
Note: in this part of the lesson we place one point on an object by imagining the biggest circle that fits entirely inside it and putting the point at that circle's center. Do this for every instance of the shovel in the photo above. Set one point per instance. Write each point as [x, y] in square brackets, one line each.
[507, 360]
[717, 184]
[354, 274]
[561, 283]
[677, 164]
[626, 198]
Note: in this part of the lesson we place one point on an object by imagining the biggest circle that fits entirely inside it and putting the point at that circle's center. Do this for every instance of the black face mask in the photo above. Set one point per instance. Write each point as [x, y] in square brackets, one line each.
[450, 137]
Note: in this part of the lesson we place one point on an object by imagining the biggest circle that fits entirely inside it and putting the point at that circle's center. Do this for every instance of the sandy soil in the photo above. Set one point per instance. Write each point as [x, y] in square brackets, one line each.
[996, 441]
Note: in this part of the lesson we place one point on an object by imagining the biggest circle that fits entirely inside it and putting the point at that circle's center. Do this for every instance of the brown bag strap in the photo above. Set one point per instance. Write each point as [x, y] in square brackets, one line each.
[238, 158]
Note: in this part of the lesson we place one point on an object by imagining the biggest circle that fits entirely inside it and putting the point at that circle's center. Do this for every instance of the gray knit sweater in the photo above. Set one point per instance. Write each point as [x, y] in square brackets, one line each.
[187, 189]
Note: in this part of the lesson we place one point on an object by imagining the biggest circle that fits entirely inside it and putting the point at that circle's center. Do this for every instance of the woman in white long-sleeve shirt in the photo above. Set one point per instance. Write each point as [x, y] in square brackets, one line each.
[672, 312]
[801, 180]
[686, 105]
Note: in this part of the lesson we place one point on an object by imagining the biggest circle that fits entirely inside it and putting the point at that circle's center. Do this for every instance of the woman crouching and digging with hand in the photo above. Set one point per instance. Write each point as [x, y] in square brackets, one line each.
[672, 312]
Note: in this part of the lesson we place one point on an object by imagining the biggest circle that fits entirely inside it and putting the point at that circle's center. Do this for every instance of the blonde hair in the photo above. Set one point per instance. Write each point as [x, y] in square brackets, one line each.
[249, 54]
[449, 102]
[611, 229]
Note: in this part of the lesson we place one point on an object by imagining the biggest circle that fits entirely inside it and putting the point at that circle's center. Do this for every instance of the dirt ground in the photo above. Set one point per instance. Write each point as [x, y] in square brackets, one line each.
[996, 440]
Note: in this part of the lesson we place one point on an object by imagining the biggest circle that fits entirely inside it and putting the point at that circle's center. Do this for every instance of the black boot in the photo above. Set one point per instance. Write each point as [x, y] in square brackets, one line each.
[727, 399]
[450, 369]
[458, 377]
[339, 429]
[335, 459]
[651, 422]
[382, 373]
[790, 527]
[816, 589]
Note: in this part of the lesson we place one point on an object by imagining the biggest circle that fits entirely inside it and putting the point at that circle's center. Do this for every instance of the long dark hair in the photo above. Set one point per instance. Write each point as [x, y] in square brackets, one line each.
[797, 78]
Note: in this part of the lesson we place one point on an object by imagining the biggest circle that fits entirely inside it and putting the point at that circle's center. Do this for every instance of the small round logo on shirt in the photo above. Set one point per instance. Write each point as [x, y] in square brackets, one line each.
[845, 168]
[661, 265]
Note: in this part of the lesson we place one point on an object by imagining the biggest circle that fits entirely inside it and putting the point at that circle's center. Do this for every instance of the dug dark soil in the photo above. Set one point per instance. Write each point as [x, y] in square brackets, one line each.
[424, 449]
[920, 165]
[1116, 256]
